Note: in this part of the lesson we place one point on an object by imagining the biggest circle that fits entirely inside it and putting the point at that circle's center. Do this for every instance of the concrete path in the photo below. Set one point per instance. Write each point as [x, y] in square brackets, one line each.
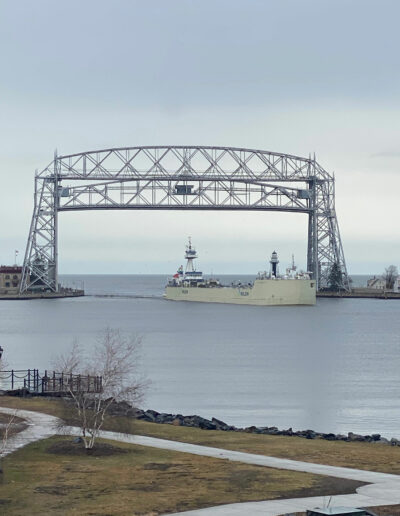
[40, 426]
[383, 488]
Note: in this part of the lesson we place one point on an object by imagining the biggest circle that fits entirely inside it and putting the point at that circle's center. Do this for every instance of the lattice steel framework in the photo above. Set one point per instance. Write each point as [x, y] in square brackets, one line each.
[182, 178]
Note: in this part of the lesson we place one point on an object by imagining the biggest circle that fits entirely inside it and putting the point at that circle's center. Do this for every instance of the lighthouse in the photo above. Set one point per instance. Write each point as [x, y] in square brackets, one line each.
[274, 265]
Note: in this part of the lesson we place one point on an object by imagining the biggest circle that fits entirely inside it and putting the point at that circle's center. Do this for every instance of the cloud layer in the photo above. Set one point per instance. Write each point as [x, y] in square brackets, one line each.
[295, 77]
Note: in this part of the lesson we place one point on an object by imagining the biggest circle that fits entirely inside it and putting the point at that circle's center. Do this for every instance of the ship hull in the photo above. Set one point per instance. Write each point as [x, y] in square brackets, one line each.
[263, 293]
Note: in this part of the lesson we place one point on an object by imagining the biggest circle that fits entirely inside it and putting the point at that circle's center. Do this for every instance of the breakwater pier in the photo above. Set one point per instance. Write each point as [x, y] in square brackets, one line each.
[64, 292]
[360, 292]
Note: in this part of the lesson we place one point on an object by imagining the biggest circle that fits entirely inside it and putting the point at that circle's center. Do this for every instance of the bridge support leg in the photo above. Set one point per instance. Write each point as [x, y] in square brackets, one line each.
[312, 239]
[312, 252]
[40, 263]
[324, 243]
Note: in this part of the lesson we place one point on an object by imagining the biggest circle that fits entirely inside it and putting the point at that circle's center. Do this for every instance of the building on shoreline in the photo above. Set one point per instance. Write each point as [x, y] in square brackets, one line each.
[376, 283]
[10, 279]
[379, 283]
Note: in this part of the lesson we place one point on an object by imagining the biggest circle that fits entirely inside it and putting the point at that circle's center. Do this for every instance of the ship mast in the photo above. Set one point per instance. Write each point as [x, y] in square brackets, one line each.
[190, 255]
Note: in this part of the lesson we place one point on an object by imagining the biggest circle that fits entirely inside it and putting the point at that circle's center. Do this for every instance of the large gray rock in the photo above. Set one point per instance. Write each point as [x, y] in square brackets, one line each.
[382, 440]
[165, 418]
[150, 415]
[356, 437]
[329, 437]
[220, 425]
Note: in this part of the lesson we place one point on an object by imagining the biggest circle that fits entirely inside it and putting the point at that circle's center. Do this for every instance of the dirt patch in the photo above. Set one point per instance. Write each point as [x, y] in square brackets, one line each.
[145, 488]
[13, 423]
[383, 510]
[386, 510]
[77, 449]
[5, 418]
[162, 466]
[52, 490]
[325, 486]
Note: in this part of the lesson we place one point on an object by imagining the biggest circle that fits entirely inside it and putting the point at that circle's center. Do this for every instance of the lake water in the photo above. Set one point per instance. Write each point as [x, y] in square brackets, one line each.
[332, 367]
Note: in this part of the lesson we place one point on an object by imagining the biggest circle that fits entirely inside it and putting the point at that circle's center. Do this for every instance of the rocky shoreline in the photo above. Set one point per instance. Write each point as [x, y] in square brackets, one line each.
[152, 416]
[124, 409]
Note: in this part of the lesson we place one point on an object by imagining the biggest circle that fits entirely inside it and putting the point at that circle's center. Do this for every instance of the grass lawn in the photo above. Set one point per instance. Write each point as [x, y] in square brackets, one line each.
[55, 476]
[368, 456]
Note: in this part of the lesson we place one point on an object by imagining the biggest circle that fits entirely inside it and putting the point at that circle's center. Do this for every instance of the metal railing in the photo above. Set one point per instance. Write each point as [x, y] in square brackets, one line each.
[49, 382]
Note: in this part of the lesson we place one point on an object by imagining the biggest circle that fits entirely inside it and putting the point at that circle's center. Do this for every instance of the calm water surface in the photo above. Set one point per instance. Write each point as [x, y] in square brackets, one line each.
[332, 367]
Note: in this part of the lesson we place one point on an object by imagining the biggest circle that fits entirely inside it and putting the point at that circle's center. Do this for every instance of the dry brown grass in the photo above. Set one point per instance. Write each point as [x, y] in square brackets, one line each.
[141, 481]
[38, 404]
[368, 456]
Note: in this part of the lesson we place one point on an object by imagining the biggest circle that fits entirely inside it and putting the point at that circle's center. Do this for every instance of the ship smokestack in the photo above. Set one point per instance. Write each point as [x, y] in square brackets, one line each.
[274, 264]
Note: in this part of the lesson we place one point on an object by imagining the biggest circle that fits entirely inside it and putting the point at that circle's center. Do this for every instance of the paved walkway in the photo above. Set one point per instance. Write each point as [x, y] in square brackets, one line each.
[40, 426]
[383, 488]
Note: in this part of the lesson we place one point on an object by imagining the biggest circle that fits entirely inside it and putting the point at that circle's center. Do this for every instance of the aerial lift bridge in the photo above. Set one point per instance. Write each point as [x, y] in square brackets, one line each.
[182, 178]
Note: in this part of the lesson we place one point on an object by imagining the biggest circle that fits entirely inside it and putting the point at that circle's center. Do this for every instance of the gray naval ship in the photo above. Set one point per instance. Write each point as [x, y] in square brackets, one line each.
[268, 288]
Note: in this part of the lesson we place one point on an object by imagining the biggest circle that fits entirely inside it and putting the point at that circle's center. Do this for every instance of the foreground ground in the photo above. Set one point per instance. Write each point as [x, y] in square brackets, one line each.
[56, 476]
[381, 488]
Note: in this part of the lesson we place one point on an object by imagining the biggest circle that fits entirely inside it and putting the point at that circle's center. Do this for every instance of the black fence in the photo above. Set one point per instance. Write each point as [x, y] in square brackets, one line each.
[49, 382]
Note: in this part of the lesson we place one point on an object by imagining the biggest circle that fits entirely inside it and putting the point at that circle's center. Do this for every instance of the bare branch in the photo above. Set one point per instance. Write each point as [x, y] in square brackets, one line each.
[6, 432]
[390, 276]
[69, 362]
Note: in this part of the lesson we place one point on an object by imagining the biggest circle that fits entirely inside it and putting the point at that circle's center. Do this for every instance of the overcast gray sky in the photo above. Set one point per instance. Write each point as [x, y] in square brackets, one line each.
[294, 76]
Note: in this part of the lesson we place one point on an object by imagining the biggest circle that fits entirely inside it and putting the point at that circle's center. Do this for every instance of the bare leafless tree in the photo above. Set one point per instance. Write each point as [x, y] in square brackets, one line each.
[3, 374]
[3, 362]
[390, 276]
[5, 433]
[116, 359]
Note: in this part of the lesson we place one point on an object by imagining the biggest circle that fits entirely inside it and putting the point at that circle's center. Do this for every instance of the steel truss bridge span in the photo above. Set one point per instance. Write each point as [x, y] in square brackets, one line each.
[182, 178]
